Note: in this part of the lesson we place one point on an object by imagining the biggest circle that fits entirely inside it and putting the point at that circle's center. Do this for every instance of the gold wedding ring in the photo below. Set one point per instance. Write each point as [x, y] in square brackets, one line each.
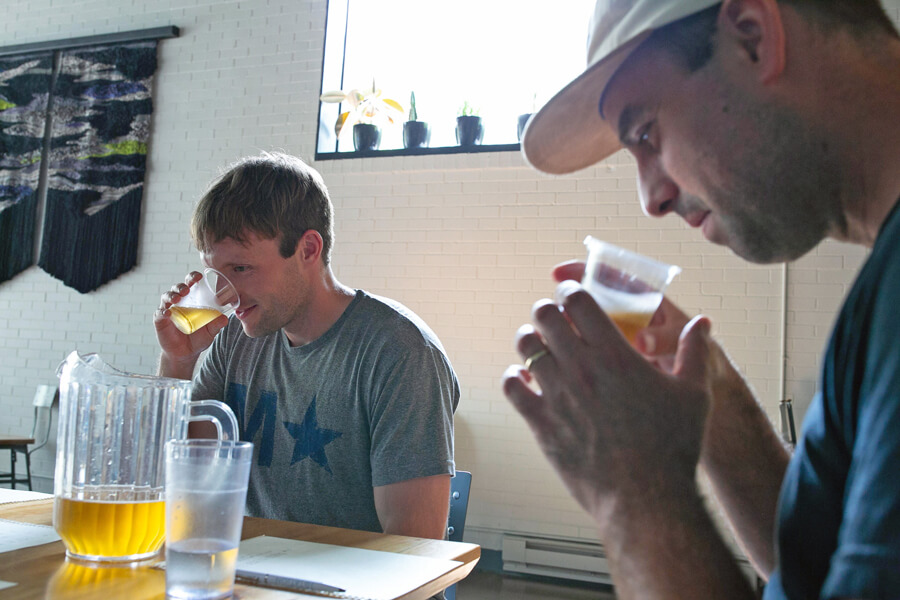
[535, 357]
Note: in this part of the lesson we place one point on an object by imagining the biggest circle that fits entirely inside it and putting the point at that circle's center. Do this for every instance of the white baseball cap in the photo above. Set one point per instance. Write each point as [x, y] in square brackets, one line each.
[568, 133]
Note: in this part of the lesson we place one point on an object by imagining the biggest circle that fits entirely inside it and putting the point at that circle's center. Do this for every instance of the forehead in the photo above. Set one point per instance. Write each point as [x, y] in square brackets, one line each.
[230, 250]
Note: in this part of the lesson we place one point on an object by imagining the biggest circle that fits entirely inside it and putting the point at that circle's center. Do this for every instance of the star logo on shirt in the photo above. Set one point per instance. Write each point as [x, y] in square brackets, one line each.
[310, 439]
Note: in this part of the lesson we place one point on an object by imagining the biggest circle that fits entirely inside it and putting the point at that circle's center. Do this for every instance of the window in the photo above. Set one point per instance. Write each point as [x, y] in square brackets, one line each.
[502, 57]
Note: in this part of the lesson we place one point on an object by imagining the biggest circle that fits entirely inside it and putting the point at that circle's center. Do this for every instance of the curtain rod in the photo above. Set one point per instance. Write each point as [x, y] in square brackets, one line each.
[138, 35]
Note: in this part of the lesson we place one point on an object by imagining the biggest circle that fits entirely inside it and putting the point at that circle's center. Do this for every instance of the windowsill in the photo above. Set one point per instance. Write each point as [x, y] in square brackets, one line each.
[419, 151]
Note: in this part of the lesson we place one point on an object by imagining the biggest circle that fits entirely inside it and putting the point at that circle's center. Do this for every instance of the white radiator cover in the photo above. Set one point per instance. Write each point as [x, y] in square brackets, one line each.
[583, 561]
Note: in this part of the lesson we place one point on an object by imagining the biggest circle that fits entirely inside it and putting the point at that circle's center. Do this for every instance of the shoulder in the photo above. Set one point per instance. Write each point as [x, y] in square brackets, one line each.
[876, 292]
[863, 357]
[390, 317]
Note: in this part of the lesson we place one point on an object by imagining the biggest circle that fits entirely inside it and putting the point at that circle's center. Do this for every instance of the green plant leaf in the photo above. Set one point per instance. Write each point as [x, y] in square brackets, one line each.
[467, 110]
[333, 96]
[366, 106]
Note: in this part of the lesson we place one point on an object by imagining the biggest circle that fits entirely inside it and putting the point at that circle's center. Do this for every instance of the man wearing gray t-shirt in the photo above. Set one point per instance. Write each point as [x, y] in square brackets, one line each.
[347, 397]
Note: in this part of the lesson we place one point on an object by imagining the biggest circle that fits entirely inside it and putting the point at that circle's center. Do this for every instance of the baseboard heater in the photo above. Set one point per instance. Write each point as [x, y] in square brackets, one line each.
[582, 561]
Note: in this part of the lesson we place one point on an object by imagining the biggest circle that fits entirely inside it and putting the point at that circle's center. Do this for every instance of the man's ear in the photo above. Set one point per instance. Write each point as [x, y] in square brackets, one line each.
[755, 31]
[309, 246]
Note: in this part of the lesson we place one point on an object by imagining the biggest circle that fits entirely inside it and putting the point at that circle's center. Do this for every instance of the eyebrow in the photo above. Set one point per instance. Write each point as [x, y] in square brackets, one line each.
[236, 263]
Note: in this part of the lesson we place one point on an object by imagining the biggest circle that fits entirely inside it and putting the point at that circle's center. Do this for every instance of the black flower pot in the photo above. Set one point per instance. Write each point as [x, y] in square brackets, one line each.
[366, 137]
[469, 131]
[523, 120]
[416, 134]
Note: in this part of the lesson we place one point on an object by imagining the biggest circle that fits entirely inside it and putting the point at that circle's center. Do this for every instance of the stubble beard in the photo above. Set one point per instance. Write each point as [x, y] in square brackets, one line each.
[785, 196]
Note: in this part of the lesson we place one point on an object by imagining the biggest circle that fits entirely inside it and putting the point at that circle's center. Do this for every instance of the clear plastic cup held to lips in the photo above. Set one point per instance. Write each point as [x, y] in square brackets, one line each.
[627, 286]
[208, 298]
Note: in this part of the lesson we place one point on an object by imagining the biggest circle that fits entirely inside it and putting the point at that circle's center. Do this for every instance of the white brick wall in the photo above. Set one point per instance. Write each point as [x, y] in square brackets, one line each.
[467, 241]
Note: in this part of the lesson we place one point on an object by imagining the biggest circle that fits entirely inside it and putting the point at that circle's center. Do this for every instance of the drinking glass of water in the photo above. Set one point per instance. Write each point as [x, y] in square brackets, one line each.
[206, 489]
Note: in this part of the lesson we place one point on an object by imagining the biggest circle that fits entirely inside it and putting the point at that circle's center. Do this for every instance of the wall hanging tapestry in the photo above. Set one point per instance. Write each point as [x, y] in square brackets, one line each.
[24, 90]
[99, 126]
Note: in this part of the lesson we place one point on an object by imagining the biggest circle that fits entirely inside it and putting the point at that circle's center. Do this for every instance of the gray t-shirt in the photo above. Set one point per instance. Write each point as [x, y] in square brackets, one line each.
[369, 403]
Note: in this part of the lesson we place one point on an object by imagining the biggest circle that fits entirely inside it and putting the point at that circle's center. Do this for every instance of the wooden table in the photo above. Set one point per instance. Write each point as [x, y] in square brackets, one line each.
[43, 572]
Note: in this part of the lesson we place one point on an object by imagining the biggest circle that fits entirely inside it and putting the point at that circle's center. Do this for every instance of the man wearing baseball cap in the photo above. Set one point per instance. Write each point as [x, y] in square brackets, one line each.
[768, 125]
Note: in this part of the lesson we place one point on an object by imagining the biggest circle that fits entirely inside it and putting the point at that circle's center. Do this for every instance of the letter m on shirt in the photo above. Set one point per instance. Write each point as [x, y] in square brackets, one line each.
[263, 416]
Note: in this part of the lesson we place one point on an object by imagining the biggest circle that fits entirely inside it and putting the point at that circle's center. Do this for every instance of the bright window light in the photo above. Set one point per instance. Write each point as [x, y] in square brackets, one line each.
[503, 57]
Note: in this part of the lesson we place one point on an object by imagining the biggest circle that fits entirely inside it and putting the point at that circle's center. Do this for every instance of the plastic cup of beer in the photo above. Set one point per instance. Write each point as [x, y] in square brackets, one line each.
[628, 286]
[206, 490]
[208, 298]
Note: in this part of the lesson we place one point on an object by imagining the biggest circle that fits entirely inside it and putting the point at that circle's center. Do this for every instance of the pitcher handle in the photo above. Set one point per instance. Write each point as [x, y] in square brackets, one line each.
[226, 423]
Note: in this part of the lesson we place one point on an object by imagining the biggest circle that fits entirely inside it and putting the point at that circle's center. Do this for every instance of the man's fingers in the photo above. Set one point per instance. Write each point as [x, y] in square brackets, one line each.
[560, 338]
[573, 269]
[593, 325]
[692, 357]
[171, 297]
[660, 337]
[523, 398]
[533, 351]
[216, 325]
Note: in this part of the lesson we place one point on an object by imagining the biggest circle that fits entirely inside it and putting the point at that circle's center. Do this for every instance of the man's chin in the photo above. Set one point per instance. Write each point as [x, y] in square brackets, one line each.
[255, 331]
[766, 254]
[250, 330]
[752, 248]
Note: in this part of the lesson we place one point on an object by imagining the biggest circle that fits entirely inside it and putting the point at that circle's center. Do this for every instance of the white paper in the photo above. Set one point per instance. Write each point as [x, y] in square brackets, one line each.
[15, 535]
[6, 584]
[364, 573]
[7, 495]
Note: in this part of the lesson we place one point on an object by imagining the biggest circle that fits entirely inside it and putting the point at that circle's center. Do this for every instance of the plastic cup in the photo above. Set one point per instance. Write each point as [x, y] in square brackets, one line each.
[627, 286]
[208, 298]
[206, 490]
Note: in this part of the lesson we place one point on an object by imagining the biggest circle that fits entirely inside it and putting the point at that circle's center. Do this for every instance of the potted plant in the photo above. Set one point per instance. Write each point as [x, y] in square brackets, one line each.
[367, 111]
[523, 118]
[416, 134]
[469, 129]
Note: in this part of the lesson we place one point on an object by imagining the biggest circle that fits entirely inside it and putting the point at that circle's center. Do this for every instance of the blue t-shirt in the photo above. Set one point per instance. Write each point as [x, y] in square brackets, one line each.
[839, 511]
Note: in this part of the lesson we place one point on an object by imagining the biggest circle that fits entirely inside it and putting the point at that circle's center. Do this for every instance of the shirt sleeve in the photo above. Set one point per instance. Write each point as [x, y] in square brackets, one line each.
[415, 394]
[866, 563]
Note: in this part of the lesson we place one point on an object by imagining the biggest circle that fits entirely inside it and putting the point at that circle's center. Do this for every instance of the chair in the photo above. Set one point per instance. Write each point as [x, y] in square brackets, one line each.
[456, 523]
[44, 398]
[459, 503]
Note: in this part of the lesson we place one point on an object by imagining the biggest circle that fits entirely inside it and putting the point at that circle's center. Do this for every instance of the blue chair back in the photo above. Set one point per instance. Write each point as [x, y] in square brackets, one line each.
[456, 523]
[459, 504]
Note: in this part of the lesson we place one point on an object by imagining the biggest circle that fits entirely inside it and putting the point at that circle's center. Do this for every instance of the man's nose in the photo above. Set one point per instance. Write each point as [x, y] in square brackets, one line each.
[657, 191]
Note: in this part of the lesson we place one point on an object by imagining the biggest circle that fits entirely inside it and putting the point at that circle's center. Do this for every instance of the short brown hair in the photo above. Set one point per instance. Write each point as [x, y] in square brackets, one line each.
[859, 17]
[691, 38]
[274, 195]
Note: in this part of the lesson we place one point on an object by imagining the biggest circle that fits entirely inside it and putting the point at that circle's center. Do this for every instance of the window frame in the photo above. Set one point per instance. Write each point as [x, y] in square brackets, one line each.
[336, 25]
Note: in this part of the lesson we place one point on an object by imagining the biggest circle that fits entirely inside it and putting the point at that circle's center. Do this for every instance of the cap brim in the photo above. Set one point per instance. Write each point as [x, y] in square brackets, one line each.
[568, 134]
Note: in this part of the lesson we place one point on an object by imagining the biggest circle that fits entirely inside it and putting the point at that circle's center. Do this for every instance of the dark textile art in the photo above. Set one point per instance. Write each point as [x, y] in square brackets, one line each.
[24, 89]
[100, 126]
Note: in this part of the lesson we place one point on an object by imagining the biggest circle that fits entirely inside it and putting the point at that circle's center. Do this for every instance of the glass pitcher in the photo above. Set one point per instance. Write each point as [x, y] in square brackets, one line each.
[110, 456]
